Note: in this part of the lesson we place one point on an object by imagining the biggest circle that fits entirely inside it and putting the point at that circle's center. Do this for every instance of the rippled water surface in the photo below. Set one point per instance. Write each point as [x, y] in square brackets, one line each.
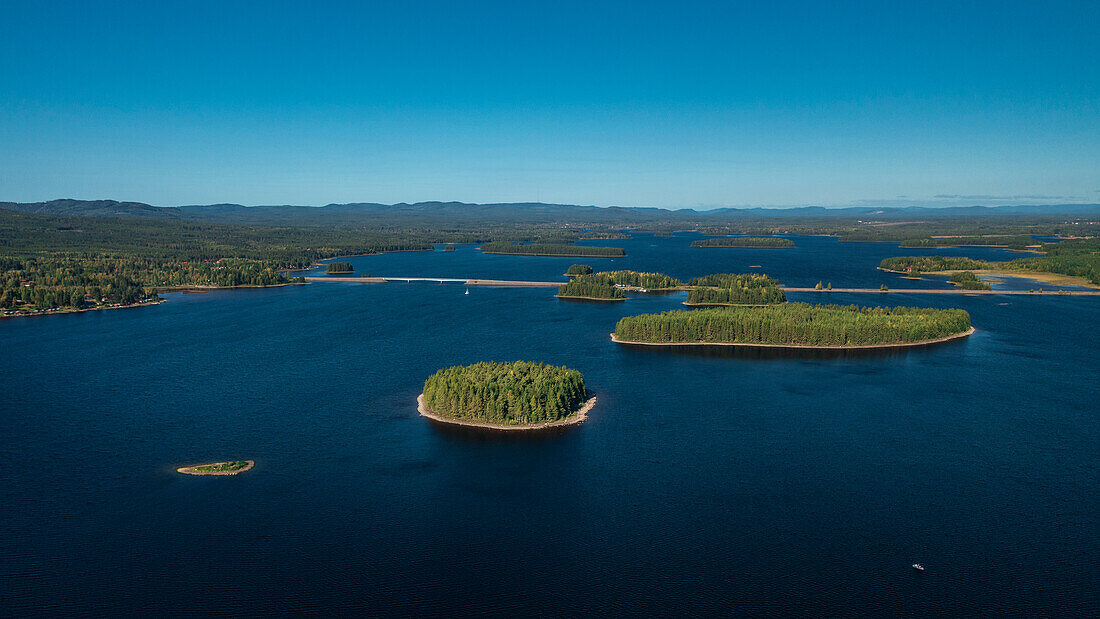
[701, 484]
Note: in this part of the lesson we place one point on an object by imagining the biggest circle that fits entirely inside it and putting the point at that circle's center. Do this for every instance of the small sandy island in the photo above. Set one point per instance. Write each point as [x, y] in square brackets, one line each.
[218, 468]
[949, 338]
[577, 417]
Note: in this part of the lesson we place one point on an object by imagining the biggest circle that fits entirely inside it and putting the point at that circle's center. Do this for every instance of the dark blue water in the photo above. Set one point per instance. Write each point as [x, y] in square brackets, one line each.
[701, 484]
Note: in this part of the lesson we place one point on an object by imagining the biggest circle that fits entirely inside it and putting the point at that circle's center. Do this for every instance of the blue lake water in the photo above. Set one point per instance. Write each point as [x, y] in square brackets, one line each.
[701, 484]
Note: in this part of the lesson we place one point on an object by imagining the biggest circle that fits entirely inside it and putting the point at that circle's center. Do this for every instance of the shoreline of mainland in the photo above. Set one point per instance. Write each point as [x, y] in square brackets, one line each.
[58, 312]
[955, 336]
[579, 416]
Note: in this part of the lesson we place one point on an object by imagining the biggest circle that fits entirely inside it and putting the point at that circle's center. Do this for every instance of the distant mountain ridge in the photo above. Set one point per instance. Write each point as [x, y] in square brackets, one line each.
[531, 212]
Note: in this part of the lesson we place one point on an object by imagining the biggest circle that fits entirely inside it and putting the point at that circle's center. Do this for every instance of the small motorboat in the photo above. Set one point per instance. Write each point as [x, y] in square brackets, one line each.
[467, 291]
[918, 567]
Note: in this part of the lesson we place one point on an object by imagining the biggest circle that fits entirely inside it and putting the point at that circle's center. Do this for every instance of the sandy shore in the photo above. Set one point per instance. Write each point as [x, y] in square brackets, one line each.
[949, 338]
[190, 470]
[577, 417]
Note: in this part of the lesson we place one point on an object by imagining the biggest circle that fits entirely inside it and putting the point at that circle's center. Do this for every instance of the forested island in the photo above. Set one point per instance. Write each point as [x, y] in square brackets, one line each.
[715, 289]
[610, 285]
[578, 269]
[735, 289]
[796, 325]
[552, 249]
[968, 281]
[591, 287]
[232, 467]
[1072, 262]
[914, 265]
[1010, 242]
[520, 395]
[339, 267]
[750, 242]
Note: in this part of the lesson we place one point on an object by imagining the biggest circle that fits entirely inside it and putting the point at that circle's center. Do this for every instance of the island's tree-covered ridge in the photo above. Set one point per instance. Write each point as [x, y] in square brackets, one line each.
[578, 269]
[640, 279]
[735, 289]
[1075, 258]
[520, 392]
[221, 467]
[1011, 242]
[552, 249]
[339, 267]
[968, 281]
[591, 287]
[796, 324]
[748, 242]
[916, 264]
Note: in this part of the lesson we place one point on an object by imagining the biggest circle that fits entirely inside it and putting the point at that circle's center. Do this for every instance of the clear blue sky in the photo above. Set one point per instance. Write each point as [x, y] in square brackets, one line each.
[675, 104]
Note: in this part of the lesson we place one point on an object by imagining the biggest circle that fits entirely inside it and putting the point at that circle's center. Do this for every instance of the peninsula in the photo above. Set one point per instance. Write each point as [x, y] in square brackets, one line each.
[1073, 262]
[520, 395]
[231, 467]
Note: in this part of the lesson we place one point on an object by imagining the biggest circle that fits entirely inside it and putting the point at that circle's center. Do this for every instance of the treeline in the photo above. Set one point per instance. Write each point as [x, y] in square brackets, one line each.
[752, 242]
[918, 264]
[795, 324]
[590, 287]
[579, 269]
[1011, 242]
[168, 240]
[552, 249]
[735, 289]
[968, 281]
[339, 267]
[505, 393]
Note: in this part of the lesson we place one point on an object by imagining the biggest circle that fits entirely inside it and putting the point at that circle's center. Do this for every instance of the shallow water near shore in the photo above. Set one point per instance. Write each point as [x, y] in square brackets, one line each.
[702, 483]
